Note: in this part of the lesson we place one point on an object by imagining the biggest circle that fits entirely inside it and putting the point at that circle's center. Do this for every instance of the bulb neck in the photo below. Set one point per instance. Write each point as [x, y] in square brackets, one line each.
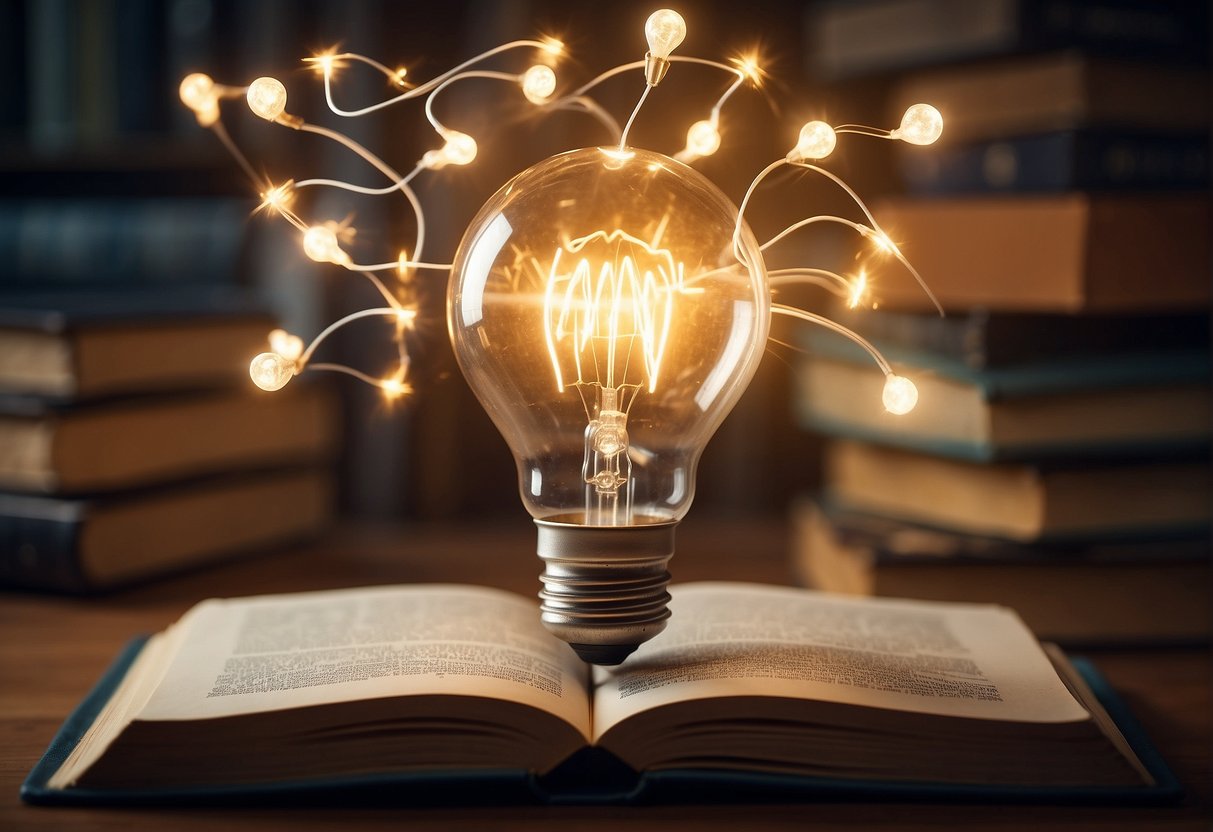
[655, 69]
[604, 587]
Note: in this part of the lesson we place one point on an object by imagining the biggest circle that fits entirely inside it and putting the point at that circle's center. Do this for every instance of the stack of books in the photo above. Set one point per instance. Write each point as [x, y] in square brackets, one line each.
[133, 444]
[1058, 458]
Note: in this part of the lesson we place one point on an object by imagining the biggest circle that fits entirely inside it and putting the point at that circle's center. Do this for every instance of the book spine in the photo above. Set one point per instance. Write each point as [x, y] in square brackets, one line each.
[41, 551]
[122, 242]
[1062, 161]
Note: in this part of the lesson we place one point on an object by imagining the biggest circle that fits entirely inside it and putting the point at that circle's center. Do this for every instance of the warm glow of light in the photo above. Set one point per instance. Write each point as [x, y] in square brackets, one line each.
[406, 318]
[320, 243]
[277, 198]
[271, 371]
[882, 241]
[817, 141]
[921, 124]
[751, 67]
[538, 84]
[288, 346]
[460, 149]
[664, 30]
[858, 288]
[900, 395]
[703, 139]
[197, 92]
[606, 307]
[267, 98]
[399, 76]
[394, 388]
[553, 46]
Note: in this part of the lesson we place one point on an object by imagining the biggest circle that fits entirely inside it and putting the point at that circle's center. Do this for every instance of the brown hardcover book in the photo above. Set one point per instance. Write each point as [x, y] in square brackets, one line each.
[1059, 91]
[83, 346]
[98, 544]
[1126, 591]
[130, 443]
[1066, 253]
[1021, 501]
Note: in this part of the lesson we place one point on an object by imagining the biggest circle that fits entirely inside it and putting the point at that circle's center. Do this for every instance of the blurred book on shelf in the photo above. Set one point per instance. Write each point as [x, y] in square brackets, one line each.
[86, 344]
[133, 444]
[1056, 92]
[1024, 501]
[1134, 405]
[1074, 252]
[850, 38]
[1082, 592]
[83, 545]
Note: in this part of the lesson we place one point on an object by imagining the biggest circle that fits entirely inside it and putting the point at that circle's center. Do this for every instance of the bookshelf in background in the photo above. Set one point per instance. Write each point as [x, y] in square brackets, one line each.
[1058, 460]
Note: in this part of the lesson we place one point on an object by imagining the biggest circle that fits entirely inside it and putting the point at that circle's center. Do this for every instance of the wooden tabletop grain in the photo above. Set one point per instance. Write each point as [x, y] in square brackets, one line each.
[53, 649]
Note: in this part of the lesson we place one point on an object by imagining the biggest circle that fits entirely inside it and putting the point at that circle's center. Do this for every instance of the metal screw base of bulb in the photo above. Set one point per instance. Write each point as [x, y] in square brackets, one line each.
[604, 586]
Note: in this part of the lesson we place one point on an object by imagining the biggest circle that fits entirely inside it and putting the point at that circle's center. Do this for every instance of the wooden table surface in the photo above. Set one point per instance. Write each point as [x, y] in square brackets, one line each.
[53, 649]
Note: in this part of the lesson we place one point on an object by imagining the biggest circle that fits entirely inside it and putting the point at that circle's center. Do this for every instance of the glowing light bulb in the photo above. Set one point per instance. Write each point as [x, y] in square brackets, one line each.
[601, 316]
[320, 243]
[271, 371]
[899, 395]
[664, 30]
[817, 141]
[703, 139]
[460, 148]
[267, 98]
[197, 92]
[538, 84]
[552, 46]
[288, 346]
[921, 124]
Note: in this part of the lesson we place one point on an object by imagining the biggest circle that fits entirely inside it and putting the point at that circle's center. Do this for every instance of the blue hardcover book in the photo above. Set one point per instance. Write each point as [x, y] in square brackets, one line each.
[1139, 404]
[1107, 160]
[456, 695]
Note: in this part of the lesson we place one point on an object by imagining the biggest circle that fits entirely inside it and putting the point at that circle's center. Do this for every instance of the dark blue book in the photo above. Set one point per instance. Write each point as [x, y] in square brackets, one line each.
[980, 338]
[852, 38]
[456, 694]
[1063, 161]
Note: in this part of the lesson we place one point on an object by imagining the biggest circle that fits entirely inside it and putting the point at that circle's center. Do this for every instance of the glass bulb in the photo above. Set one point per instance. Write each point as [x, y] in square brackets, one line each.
[899, 395]
[197, 91]
[703, 139]
[460, 148]
[817, 140]
[271, 371]
[664, 30]
[320, 244]
[538, 84]
[603, 320]
[267, 98]
[921, 124]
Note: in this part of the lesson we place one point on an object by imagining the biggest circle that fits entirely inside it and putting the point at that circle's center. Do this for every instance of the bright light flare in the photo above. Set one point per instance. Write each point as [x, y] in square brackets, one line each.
[277, 198]
[750, 65]
[858, 289]
[703, 139]
[320, 243]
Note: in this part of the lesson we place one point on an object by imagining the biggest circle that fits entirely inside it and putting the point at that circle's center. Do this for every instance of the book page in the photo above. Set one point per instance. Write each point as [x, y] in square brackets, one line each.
[729, 639]
[266, 653]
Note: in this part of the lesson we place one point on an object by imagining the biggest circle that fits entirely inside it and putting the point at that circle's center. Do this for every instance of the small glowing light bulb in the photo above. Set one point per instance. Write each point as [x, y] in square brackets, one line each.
[552, 46]
[703, 139]
[197, 91]
[664, 30]
[900, 395]
[267, 98]
[538, 83]
[271, 371]
[858, 288]
[921, 124]
[460, 148]
[288, 346]
[320, 244]
[817, 140]
[393, 388]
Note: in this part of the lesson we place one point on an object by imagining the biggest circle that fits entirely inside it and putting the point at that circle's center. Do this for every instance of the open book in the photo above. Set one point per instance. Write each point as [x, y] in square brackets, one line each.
[747, 679]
